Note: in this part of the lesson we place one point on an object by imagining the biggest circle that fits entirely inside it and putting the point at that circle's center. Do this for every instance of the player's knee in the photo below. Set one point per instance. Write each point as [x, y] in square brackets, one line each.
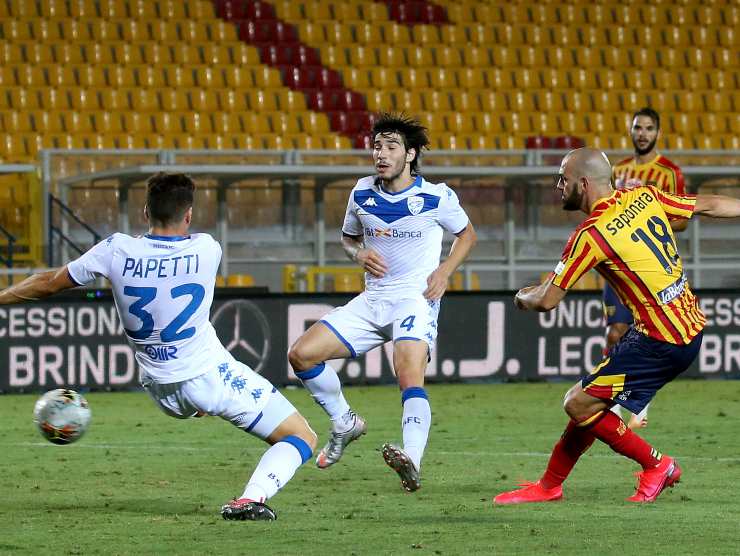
[574, 407]
[299, 358]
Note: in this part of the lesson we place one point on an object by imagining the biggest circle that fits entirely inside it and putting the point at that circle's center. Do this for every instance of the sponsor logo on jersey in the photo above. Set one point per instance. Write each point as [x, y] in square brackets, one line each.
[392, 233]
[415, 204]
[370, 202]
[161, 353]
[673, 291]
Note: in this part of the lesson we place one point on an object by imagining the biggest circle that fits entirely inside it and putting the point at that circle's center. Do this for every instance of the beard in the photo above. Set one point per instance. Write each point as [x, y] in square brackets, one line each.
[647, 149]
[572, 201]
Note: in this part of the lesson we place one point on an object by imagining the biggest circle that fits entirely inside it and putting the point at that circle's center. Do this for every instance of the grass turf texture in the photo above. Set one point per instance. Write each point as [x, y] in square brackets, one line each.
[143, 483]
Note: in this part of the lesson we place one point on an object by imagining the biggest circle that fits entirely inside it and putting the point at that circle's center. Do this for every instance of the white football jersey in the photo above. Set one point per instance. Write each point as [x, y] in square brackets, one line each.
[163, 290]
[406, 230]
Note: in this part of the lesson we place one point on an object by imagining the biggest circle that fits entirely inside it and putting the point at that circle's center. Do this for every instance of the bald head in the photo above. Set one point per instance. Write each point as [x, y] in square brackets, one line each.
[588, 163]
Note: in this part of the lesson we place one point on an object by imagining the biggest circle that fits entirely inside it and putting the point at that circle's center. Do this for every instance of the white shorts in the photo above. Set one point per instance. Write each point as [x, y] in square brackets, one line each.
[363, 324]
[231, 391]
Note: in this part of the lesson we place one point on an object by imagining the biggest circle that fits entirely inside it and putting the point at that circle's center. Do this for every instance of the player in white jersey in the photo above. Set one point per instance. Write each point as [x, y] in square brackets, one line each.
[163, 289]
[393, 228]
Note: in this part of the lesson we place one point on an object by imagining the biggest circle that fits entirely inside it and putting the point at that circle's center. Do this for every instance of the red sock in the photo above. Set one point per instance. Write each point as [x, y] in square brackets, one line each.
[574, 442]
[612, 430]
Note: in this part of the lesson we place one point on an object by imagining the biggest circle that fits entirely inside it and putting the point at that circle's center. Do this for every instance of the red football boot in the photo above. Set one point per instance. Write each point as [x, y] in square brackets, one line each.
[530, 492]
[652, 481]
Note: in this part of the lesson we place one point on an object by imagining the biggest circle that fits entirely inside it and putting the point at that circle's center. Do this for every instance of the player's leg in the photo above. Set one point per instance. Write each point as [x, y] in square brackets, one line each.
[618, 320]
[247, 400]
[345, 332]
[414, 333]
[292, 443]
[308, 357]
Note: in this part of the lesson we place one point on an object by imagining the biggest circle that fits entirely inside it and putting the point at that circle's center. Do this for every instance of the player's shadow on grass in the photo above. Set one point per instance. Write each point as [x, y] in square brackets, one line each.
[157, 507]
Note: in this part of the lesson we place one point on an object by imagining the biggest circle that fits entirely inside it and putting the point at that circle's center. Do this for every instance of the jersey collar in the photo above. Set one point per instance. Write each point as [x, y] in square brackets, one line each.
[415, 183]
[167, 238]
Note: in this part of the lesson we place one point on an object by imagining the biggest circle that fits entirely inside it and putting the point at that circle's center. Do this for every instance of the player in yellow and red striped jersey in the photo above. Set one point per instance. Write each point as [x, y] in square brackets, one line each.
[627, 238]
[646, 167]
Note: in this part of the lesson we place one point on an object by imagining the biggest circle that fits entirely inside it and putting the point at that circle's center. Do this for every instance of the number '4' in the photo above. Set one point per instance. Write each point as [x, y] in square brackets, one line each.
[408, 323]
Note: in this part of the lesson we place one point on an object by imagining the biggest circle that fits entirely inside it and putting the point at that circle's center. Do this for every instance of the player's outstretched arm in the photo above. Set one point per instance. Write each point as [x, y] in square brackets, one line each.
[717, 206]
[437, 281]
[368, 259]
[543, 297]
[38, 286]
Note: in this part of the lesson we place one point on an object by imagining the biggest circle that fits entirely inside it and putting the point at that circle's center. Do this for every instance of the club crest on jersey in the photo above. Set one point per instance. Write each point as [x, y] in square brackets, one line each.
[415, 204]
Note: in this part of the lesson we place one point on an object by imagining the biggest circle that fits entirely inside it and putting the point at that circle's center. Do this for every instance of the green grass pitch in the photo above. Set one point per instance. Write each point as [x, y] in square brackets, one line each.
[143, 483]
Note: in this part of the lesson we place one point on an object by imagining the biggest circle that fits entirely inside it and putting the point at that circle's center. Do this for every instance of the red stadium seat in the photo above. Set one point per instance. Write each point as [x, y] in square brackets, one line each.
[568, 142]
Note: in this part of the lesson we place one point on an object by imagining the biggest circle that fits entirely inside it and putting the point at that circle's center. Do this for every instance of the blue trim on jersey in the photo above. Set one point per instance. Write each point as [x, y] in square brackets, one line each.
[73, 280]
[299, 444]
[253, 423]
[415, 183]
[313, 372]
[166, 238]
[341, 338]
[413, 392]
[406, 338]
[390, 212]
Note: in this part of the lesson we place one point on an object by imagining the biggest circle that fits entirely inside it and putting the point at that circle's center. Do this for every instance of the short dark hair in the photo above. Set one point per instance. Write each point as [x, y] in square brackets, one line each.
[168, 197]
[413, 133]
[650, 113]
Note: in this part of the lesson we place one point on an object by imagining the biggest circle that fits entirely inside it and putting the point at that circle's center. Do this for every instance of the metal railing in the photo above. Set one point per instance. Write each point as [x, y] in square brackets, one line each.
[522, 174]
[61, 232]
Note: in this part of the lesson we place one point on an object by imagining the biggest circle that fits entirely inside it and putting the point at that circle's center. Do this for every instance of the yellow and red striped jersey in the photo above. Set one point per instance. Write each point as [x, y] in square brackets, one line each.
[628, 240]
[659, 172]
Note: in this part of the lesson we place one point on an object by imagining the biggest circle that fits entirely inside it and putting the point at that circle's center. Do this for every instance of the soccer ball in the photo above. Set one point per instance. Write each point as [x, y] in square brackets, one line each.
[62, 416]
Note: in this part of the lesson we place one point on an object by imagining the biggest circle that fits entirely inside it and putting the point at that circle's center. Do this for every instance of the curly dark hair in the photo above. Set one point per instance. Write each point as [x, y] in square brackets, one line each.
[410, 129]
[168, 197]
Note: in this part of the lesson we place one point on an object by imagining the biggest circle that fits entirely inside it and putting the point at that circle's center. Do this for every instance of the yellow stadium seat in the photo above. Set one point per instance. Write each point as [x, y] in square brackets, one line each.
[693, 80]
[174, 100]
[442, 79]
[18, 122]
[20, 98]
[239, 280]
[106, 122]
[414, 78]
[86, 100]
[488, 13]
[459, 123]
[314, 123]
[471, 78]
[601, 124]
[715, 124]
[554, 79]
[464, 101]
[663, 101]
[689, 101]
[481, 34]
[419, 57]
[367, 56]
[520, 101]
[616, 58]
[517, 124]
[526, 78]
[356, 78]
[454, 35]
[256, 123]
[384, 78]
[397, 34]
[262, 101]
[76, 122]
[433, 121]
[311, 32]
[409, 99]
[144, 100]
[717, 101]
[379, 100]
[549, 101]
[266, 78]
[193, 31]
[435, 101]
[120, 76]
[461, 13]
[531, 56]
[633, 100]
[685, 124]
[226, 123]
[348, 282]
[426, 35]
[447, 56]
[334, 56]
[573, 123]
[368, 34]
[133, 123]
[337, 33]
[492, 101]
[244, 55]
[546, 123]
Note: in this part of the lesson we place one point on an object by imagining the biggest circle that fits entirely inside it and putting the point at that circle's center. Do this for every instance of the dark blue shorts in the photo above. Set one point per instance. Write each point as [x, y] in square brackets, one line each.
[614, 310]
[637, 367]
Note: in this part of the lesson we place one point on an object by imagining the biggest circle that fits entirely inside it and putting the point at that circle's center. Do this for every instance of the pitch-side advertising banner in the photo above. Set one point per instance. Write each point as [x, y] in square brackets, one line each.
[77, 341]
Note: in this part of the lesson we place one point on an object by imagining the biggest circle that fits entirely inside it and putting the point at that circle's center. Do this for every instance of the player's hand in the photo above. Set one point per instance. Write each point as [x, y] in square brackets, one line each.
[437, 284]
[372, 262]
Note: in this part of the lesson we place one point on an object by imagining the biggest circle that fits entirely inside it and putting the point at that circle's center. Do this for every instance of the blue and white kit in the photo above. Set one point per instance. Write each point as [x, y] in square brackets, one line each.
[406, 230]
[163, 291]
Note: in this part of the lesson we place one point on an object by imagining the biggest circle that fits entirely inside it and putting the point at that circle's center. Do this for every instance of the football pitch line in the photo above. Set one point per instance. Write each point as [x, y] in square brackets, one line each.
[490, 454]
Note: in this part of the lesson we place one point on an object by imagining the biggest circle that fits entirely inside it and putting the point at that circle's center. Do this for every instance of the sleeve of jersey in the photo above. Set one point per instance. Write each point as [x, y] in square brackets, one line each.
[95, 262]
[452, 217]
[676, 206]
[352, 225]
[680, 188]
[581, 254]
